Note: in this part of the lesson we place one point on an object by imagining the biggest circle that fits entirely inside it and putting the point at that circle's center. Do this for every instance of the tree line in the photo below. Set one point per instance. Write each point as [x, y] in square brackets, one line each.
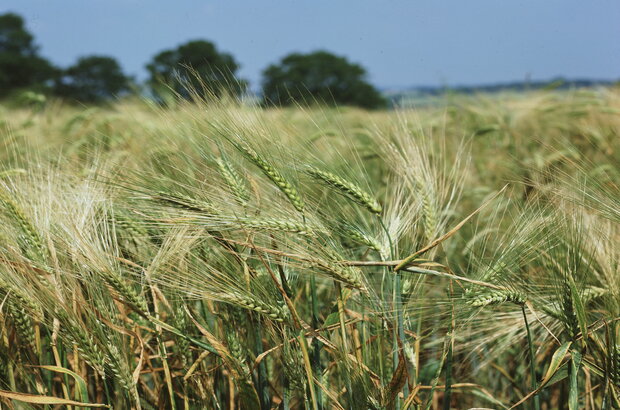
[193, 67]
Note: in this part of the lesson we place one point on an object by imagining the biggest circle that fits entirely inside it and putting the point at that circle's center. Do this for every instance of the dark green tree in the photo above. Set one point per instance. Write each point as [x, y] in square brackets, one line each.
[92, 79]
[20, 64]
[318, 77]
[195, 66]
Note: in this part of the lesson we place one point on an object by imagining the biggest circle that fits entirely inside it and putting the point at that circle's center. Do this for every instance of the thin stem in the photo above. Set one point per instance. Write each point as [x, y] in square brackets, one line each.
[533, 383]
[448, 374]
[398, 302]
[343, 331]
[308, 367]
[161, 349]
[285, 383]
[263, 387]
[316, 343]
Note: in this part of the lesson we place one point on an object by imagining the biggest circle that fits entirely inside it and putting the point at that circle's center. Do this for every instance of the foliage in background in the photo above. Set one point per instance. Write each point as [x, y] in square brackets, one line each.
[92, 79]
[195, 65]
[21, 65]
[320, 78]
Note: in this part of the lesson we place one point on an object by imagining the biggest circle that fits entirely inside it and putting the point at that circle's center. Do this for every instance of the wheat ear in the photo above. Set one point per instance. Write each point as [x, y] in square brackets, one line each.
[346, 188]
[274, 175]
[235, 182]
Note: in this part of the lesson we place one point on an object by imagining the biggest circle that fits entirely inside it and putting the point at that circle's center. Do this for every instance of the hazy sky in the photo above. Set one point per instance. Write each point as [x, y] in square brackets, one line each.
[401, 43]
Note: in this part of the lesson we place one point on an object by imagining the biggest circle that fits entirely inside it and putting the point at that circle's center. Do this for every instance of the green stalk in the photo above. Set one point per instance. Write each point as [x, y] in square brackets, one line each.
[316, 344]
[380, 354]
[167, 374]
[66, 385]
[417, 354]
[398, 302]
[285, 395]
[308, 367]
[106, 391]
[47, 357]
[448, 389]
[444, 353]
[263, 387]
[363, 334]
[317, 370]
[343, 332]
[400, 319]
[533, 383]
[177, 332]
[285, 389]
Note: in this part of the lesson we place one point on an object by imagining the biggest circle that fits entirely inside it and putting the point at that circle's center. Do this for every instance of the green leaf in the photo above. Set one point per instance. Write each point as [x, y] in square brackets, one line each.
[80, 386]
[332, 319]
[560, 374]
[556, 361]
[485, 395]
[573, 384]
[485, 130]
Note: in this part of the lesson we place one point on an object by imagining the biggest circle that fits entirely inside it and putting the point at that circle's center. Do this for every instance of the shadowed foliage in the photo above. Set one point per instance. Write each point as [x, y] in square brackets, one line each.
[20, 64]
[92, 79]
[195, 65]
[318, 77]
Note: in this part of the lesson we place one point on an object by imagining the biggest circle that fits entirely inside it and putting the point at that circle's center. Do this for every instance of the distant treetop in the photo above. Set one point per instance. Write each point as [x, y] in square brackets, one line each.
[92, 79]
[195, 66]
[318, 77]
[20, 64]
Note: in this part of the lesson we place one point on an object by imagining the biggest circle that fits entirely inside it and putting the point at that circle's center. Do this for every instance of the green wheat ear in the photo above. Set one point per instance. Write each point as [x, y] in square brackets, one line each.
[274, 175]
[30, 234]
[347, 189]
[234, 180]
[276, 313]
[360, 237]
[498, 297]
[282, 225]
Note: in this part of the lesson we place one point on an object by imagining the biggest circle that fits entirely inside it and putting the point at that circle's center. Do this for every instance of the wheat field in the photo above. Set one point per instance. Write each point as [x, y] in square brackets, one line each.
[215, 255]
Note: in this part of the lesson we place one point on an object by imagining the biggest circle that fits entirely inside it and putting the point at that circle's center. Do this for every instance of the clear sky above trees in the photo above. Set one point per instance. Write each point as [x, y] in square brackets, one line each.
[400, 42]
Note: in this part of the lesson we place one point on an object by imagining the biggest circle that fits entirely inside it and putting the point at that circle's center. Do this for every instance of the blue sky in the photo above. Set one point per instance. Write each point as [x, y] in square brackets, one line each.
[401, 43]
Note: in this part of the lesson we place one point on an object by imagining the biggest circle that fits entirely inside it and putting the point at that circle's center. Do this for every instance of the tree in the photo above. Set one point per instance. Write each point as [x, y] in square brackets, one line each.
[318, 77]
[20, 64]
[92, 79]
[195, 66]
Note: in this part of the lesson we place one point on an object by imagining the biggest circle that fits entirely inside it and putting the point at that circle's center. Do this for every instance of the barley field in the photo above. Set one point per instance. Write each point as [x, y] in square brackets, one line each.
[215, 255]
